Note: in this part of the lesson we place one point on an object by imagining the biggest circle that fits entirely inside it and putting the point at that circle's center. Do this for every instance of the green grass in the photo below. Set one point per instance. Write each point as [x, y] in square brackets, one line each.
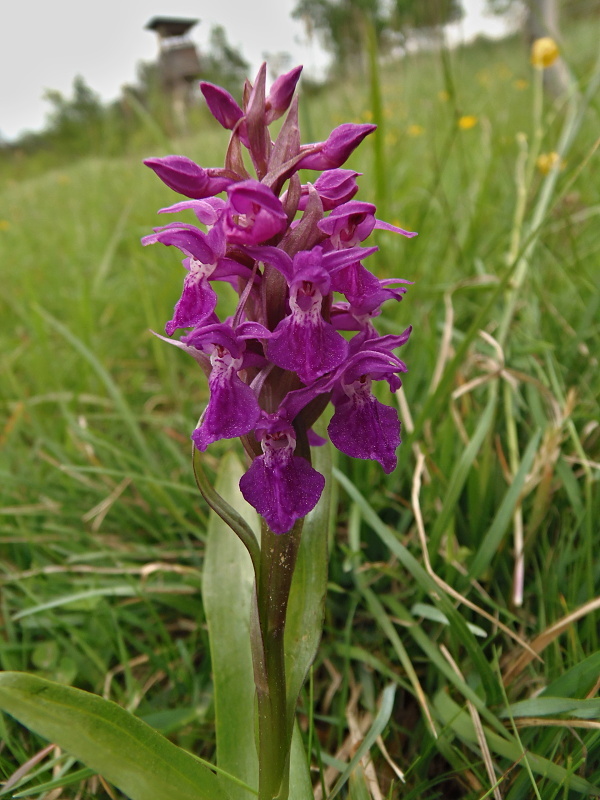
[101, 526]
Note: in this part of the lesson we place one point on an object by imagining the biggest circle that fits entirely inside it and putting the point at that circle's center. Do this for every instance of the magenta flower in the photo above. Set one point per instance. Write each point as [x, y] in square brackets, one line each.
[205, 261]
[281, 486]
[221, 104]
[233, 408]
[253, 214]
[187, 178]
[333, 152]
[334, 187]
[303, 332]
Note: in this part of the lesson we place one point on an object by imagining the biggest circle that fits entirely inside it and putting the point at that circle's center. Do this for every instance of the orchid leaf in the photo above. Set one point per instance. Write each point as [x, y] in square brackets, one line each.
[103, 736]
[306, 604]
[227, 587]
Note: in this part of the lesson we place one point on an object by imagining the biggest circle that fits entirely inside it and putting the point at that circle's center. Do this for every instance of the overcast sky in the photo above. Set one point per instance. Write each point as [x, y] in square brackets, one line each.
[46, 44]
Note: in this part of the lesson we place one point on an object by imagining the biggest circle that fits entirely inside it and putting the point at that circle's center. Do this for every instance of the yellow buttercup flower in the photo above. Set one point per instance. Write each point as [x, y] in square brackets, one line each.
[467, 122]
[415, 130]
[546, 161]
[544, 52]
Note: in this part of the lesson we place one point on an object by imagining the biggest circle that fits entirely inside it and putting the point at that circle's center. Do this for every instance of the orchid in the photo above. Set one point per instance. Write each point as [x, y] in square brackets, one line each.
[303, 334]
[294, 253]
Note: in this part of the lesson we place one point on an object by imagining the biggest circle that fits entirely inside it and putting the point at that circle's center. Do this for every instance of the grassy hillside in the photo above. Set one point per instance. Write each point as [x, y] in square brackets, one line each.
[496, 495]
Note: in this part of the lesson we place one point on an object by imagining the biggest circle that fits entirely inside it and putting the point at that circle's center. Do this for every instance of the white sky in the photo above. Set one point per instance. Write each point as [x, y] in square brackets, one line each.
[45, 44]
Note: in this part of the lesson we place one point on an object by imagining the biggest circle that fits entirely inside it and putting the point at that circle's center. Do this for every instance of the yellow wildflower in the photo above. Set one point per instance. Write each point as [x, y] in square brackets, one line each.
[544, 52]
[467, 122]
[546, 161]
[521, 84]
[415, 130]
[444, 96]
[4, 224]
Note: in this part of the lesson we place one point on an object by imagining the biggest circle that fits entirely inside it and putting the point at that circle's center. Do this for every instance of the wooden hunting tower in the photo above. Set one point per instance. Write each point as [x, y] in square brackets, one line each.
[178, 62]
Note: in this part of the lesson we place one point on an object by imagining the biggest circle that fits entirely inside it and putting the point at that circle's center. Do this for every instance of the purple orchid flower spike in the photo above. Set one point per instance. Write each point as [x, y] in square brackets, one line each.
[333, 152]
[187, 178]
[281, 486]
[274, 365]
[253, 214]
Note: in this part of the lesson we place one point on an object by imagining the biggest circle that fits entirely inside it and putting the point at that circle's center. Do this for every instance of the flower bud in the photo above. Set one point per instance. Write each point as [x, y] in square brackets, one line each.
[333, 152]
[281, 95]
[221, 105]
[544, 52]
[187, 178]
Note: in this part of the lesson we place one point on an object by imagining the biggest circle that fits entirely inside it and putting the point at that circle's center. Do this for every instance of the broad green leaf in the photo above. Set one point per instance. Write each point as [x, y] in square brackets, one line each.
[227, 589]
[300, 784]
[304, 623]
[544, 706]
[452, 715]
[103, 736]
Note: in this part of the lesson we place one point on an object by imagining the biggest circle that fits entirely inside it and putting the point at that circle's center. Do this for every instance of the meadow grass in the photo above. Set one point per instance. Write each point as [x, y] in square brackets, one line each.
[468, 579]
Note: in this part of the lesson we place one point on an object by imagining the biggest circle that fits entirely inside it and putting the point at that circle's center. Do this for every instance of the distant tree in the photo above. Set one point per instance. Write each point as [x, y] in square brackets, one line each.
[75, 122]
[223, 64]
[414, 15]
[341, 24]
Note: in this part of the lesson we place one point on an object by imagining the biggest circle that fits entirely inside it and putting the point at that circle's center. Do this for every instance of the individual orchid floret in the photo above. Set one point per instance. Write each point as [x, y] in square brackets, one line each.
[205, 261]
[351, 223]
[334, 187]
[304, 342]
[187, 178]
[281, 486]
[233, 408]
[221, 105]
[253, 214]
[356, 408]
[280, 96]
[337, 148]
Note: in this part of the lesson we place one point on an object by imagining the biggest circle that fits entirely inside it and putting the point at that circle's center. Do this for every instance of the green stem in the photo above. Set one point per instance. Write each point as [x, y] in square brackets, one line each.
[227, 513]
[277, 561]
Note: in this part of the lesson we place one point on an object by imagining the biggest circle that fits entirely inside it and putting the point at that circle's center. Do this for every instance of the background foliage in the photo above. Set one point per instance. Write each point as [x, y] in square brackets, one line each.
[101, 529]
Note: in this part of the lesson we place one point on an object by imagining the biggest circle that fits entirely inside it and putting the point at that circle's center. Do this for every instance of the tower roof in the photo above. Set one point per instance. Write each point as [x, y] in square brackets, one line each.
[171, 26]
